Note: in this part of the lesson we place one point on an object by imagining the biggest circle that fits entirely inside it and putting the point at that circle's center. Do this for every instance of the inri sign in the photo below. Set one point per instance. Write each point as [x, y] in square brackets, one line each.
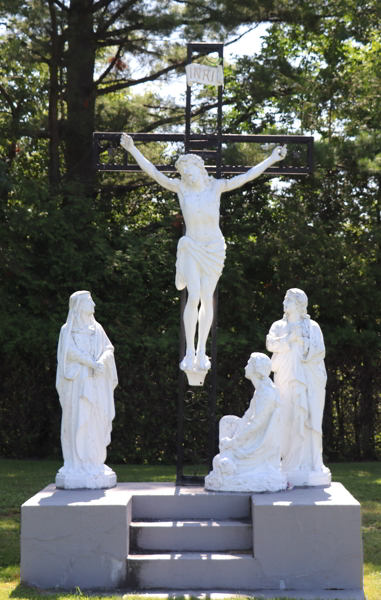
[203, 74]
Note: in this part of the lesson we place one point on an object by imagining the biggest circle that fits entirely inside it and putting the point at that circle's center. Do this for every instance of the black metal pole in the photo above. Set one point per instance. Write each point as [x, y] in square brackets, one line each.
[180, 402]
[213, 392]
[188, 107]
[183, 299]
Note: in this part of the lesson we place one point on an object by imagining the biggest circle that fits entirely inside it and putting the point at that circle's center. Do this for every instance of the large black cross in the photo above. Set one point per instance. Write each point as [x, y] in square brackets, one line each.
[209, 147]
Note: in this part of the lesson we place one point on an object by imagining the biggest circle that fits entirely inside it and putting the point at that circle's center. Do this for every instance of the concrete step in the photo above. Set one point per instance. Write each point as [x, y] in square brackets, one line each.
[191, 506]
[191, 535]
[194, 570]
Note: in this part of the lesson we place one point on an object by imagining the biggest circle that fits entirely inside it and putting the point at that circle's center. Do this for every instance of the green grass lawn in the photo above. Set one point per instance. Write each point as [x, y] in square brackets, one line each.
[19, 480]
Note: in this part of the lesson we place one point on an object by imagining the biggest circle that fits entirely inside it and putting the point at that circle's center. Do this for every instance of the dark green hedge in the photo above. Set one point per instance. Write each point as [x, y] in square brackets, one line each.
[124, 253]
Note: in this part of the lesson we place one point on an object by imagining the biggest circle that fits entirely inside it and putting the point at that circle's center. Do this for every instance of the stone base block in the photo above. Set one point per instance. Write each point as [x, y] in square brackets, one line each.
[309, 539]
[78, 481]
[309, 478]
[268, 481]
[75, 538]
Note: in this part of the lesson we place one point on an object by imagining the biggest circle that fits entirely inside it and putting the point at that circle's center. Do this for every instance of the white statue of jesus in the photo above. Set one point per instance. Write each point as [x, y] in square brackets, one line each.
[201, 252]
[297, 344]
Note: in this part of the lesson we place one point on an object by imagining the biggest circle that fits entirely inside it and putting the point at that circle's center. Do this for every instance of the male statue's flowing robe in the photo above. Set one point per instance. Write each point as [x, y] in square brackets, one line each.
[300, 377]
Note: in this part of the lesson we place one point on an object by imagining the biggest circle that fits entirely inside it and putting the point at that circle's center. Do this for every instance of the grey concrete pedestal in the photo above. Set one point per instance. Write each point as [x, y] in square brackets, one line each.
[309, 539]
[75, 538]
[299, 541]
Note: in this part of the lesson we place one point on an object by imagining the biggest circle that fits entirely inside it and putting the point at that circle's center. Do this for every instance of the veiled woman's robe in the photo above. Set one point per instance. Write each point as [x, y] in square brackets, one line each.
[86, 397]
[300, 377]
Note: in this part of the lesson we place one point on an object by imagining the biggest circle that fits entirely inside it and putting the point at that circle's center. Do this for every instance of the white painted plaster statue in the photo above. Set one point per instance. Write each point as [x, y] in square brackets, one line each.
[249, 459]
[86, 379]
[201, 252]
[299, 373]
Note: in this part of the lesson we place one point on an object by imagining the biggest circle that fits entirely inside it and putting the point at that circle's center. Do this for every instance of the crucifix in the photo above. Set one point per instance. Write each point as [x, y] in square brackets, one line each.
[201, 250]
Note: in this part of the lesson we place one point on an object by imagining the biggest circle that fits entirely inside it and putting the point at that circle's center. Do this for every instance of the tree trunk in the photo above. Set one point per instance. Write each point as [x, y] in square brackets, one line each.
[54, 156]
[80, 93]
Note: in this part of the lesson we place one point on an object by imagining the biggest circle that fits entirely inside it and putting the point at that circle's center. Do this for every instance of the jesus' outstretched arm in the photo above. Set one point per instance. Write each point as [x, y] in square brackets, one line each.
[236, 182]
[127, 143]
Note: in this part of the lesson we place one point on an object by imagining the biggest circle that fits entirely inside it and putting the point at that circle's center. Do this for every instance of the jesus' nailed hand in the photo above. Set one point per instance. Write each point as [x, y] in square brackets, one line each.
[201, 252]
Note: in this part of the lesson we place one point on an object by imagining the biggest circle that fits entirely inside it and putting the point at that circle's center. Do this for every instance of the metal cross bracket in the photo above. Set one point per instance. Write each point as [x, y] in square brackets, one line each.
[106, 145]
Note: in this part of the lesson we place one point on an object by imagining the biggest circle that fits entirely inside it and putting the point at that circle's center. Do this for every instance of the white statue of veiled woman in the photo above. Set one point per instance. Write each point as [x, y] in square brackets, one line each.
[299, 373]
[86, 379]
[249, 459]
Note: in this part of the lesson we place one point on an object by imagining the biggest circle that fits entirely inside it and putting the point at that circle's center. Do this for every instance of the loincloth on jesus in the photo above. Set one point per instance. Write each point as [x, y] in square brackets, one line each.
[209, 257]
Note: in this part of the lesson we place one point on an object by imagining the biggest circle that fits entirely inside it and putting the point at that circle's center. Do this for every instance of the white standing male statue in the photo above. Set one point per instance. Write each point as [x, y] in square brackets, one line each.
[201, 252]
[298, 364]
[86, 379]
[249, 459]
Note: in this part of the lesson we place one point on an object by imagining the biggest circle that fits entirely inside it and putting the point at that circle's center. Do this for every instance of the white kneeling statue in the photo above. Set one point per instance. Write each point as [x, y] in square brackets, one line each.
[249, 459]
[298, 364]
[86, 379]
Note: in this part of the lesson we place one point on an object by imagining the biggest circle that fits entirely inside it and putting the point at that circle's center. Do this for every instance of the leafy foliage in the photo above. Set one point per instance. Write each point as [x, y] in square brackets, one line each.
[319, 73]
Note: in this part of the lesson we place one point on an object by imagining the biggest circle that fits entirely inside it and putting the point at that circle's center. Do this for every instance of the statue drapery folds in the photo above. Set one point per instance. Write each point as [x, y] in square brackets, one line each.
[86, 379]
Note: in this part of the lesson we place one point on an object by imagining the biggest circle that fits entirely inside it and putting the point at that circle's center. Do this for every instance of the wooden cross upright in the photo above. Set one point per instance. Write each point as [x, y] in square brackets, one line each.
[209, 148]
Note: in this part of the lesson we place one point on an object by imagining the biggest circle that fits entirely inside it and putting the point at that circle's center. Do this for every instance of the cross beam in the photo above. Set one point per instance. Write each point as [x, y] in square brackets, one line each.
[106, 144]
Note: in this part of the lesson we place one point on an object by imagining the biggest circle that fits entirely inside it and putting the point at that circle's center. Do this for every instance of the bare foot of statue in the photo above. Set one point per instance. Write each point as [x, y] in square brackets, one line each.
[202, 362]
[188, 363]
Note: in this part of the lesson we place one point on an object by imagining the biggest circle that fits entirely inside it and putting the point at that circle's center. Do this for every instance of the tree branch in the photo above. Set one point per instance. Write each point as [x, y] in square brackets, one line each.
[205, 107]
[161, 122]
[118, 32]
[123, 8]
[133, 82]
[242, 35]
[45, 44]
[41, 57]
[42, 134]
[100, 4]
[194, 4]
[61, 5]
[161, 107]
[177, 118]
[129, 187]
[110, 67]
[9, 101]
